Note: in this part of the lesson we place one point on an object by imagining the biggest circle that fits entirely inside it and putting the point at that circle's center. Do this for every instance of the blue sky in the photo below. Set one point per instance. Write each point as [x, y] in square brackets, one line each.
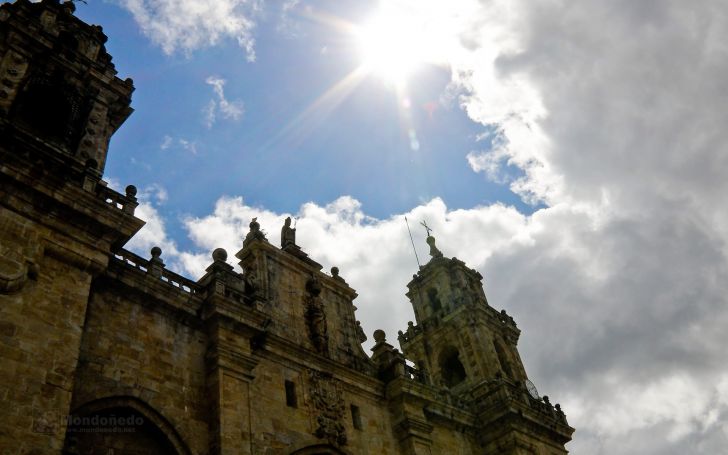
[284, 150]
[574, 153]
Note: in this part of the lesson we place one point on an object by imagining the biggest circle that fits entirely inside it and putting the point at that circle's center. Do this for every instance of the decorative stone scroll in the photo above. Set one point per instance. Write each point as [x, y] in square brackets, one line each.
[18, 264]
[328, 406]
[14, 272]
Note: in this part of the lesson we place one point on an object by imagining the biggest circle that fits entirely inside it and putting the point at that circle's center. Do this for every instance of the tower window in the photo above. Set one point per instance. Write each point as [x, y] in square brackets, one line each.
[503, 358]
[356, 417]
[50, 107]
[291, 400]
[67, 40]
[451, 368]
[434, 300]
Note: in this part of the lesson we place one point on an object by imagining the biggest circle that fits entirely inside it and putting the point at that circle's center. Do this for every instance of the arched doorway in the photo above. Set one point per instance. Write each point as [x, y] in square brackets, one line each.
[121, 425]
[319, 449]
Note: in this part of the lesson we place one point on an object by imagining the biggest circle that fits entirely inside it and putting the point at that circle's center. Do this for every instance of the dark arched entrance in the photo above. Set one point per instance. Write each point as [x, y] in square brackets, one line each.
[319, 449]
[123, 425]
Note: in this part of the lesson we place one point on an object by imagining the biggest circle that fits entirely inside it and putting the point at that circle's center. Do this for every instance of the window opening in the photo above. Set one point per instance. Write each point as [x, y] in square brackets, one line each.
[291, 400]
[434, 299]
[356, 417]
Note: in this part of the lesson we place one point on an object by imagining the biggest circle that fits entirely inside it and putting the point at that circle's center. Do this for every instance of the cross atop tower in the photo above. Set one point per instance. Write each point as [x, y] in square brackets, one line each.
[427, 228]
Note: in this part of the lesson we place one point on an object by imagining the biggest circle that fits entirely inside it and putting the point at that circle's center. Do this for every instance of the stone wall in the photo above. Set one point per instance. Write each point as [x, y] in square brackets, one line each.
[46, 270]
[40, 333]
[212, 391]
[134, 346]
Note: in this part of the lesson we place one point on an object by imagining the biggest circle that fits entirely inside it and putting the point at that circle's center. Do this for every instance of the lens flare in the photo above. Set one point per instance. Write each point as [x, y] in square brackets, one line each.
[392, 47]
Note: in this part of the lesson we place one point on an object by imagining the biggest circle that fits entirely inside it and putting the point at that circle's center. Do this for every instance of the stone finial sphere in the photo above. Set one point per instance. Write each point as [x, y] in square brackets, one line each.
[380, 336]
[219, 255]
[334, 271]
[131, 191]
[156, 252]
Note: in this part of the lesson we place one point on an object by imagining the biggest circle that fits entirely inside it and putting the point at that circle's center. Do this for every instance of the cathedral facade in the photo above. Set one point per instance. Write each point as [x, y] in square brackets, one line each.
[106, 352]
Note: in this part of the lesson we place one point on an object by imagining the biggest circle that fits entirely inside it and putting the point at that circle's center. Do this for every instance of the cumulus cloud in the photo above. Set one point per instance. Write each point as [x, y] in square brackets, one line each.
[220, 105]
[613, 112]
[188, 25]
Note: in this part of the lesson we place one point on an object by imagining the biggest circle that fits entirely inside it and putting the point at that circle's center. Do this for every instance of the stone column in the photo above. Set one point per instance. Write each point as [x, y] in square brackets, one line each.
[229, 377]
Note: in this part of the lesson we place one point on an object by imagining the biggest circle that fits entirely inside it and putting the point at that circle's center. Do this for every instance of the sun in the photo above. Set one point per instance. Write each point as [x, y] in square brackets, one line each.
[392, 46]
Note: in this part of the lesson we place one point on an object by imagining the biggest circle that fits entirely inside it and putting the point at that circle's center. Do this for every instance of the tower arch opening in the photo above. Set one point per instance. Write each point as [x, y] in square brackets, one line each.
[51, 107]
[503, 358]
[452, 370]
[434, 300]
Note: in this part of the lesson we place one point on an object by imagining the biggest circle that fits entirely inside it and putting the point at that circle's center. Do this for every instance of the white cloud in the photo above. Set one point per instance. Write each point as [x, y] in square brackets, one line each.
[169, 142]
[142, 164]
[287, 24]
[189, 146]
[154, 193]
[154, 232]
[615, 109]
[232, 110]
[166, 142]
[188, 25]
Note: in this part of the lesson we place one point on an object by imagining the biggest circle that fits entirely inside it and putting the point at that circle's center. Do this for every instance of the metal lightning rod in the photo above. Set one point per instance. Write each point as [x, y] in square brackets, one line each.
[413, 244]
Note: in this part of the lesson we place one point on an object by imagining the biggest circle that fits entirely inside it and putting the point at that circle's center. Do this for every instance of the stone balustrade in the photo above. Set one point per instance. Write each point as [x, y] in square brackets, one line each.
[126, 203]
[155, 267]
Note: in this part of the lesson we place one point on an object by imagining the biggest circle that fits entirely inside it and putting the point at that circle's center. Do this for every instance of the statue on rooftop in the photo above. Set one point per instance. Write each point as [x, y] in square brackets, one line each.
[316, 316]
[255, 232]
[288, 234]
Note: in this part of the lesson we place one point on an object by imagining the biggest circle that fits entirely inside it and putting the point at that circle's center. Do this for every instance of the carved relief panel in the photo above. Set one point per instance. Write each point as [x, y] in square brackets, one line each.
[328, 407]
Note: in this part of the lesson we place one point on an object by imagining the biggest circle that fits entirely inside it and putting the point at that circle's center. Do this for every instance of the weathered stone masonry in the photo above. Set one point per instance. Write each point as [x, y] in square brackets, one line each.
[103, 351]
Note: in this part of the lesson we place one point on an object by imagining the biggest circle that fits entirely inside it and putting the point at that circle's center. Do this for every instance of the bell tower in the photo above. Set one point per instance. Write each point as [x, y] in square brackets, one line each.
[60, 102]
[466, 348]
[459, 339]
[58, 86]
